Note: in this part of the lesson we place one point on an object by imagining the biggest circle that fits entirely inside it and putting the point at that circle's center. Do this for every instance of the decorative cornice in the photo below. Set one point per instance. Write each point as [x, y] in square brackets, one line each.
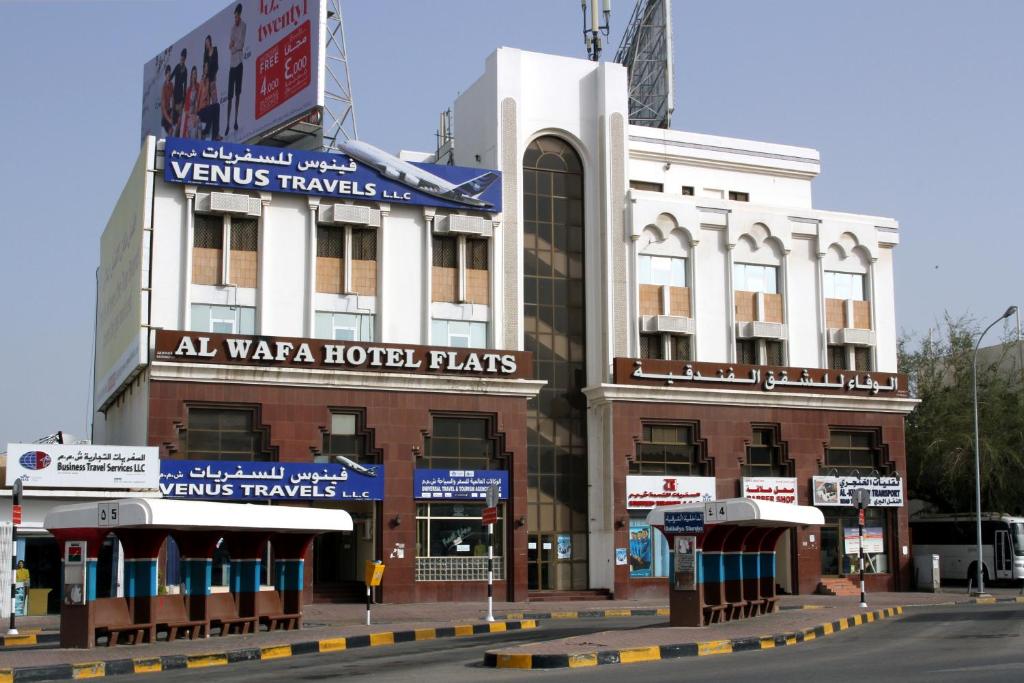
[608, 393]
[332, 379]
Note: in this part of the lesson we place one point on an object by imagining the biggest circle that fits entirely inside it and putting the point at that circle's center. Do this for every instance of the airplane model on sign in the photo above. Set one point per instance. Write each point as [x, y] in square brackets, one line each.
[418, 178]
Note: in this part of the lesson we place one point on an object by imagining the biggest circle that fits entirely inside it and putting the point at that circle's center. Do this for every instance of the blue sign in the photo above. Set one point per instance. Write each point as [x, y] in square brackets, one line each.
[684, 522]
[216, 480]
[458, 484]
[361, 172]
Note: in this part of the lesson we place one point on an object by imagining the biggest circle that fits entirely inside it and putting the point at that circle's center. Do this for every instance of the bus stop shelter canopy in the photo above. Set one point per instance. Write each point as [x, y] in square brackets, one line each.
[135, 513]
[746, 512]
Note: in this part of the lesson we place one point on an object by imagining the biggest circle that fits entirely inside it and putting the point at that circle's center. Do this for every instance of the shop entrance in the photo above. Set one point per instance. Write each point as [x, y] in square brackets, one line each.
[552, 563]
[831, 549]
[338, 557]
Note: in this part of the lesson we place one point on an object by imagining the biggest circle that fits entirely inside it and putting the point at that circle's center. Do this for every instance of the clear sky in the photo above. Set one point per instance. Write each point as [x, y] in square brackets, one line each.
[915, 105]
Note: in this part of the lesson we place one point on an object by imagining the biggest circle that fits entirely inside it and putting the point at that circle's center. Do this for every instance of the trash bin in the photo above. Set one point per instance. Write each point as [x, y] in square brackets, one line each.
[37, 599]
[926, 568]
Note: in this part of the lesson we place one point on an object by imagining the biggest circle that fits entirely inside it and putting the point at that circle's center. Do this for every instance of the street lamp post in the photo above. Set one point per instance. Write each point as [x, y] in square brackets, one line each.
[977, 449]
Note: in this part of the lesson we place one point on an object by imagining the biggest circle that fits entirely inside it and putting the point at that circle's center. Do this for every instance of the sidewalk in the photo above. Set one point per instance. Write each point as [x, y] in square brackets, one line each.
[398, 623]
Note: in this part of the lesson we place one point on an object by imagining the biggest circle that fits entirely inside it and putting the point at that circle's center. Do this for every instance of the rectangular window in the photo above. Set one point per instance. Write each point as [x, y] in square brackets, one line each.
[451, 544]
[344, 326]
[836, 357]
[661, 270]
[651, 346]
[207, 249]
[478, 280]
[243, 265]
[459, 333]
[444, 260]
[460, 443]
[363, 264]
[687, 190]
[223, 319]
[764, 455]
[746, 351]
[222, 433]
[344, 440]
[335, 265]
[852, 450]
[844, 285]
[749, 277]
[680, 344]
[739, 196]
[667, 449]
[773, 352]
[646, 186]
[862, 358]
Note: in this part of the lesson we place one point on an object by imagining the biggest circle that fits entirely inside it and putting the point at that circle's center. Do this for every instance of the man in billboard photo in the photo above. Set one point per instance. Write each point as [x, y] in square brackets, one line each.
[167, 102]
[210, 59]
[237, 48]
[180, 76]
[209, 107]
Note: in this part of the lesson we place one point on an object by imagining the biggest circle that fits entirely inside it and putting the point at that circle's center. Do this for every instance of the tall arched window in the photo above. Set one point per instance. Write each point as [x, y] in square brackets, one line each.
[554, 321]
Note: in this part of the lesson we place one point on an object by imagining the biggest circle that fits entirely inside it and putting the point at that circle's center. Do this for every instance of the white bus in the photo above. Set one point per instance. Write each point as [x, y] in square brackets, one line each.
[953, 538]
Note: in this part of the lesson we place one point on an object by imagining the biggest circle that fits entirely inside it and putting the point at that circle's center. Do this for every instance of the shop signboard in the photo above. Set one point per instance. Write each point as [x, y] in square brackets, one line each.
[684, 522]
[872, 540]
[773, 489]
[68, 466]
[649, 491]
[228, 480]
[433, 484]
[839, 491]
[361, 173]
[252, 67]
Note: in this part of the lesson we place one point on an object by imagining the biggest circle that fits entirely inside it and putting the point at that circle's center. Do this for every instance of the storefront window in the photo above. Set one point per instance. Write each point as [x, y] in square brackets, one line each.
[451, 543]
[648, 550]
[844, 521]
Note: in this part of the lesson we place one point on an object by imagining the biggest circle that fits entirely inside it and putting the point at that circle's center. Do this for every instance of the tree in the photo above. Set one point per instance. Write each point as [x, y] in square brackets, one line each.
[940, 430]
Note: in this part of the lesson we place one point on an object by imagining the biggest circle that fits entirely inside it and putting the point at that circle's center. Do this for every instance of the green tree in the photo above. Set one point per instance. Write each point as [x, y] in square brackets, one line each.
[940, 430]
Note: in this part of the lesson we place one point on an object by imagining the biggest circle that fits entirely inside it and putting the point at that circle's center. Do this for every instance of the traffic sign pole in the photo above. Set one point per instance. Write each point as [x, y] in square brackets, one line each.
[490, 515]
[16, 490]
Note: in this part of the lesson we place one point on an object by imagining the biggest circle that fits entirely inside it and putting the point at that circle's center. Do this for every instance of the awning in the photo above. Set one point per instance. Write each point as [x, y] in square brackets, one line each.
[746, 512]
[189, 514]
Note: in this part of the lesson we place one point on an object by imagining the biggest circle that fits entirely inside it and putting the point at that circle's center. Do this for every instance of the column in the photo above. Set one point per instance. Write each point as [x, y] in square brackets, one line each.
[246, 548]
[197, 548]
[289, 568]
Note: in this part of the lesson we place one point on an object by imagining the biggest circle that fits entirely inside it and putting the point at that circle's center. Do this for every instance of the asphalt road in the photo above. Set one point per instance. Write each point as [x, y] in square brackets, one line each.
[935, 644]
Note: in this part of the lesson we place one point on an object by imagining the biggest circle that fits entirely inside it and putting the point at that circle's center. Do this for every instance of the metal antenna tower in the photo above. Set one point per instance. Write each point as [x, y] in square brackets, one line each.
[593, 29]
[339, 105]
[646, 51]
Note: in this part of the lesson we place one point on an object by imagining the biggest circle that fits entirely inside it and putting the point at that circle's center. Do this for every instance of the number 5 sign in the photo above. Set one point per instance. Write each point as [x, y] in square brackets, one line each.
[106, 514]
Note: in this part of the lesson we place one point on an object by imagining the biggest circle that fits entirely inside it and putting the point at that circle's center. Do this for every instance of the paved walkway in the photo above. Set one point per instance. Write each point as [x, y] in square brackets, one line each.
[348, 621]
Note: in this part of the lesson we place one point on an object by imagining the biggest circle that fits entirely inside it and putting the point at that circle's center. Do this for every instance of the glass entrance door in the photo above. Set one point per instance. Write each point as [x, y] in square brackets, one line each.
[831, 537]
[1004, 555]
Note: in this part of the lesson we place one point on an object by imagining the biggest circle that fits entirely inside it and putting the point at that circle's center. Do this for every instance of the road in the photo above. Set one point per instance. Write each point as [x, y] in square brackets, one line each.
[935, 644]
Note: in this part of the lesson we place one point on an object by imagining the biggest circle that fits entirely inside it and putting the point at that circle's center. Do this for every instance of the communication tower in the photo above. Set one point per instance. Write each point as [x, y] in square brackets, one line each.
[339, 122]
[646, 51]
[593, 29]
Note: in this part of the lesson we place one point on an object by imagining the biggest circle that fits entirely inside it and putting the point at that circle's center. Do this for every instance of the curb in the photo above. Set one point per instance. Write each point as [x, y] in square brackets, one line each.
[591, 614]
[139, 665]
[652, 653]
[29, 638]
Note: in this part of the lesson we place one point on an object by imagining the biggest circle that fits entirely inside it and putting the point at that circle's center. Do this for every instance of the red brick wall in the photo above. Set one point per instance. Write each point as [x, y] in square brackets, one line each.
[296, 417]
[726, 431]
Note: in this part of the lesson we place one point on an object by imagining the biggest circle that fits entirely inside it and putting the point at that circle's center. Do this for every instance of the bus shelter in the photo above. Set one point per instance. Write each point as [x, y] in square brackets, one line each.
[723, 556]
[143, 524]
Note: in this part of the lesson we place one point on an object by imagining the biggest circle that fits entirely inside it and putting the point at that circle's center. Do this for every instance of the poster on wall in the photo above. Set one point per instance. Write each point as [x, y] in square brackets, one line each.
[640, 551]
[84, 466]
[873, 542]
[564, 547]
[621, 556]
[649, 491]
[252, 67]
[773, 489]
[684, 563]
[838, 491]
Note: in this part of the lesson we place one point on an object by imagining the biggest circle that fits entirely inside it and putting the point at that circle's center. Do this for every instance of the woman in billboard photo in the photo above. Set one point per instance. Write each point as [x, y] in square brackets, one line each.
[190, 113]
[209, 107]
[167, 103]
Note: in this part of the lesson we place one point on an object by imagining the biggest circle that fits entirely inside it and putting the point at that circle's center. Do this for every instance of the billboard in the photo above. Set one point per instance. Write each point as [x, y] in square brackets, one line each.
[83, 466]
[253, 66]
[120, 299]
[362, 172]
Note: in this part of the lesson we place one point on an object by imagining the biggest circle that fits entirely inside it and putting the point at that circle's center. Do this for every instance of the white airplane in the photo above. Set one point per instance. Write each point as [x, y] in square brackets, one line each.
[417, 178]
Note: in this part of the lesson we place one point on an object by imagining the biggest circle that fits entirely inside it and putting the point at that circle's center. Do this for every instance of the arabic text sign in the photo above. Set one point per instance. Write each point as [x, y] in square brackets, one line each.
[838, 491]
[872, 540]
[223, 480]
[694, 375]
[684, 522]
[267, 65]
[774, 489]
[458, 484]
[272, 169]
[647, 491]
[83, 467]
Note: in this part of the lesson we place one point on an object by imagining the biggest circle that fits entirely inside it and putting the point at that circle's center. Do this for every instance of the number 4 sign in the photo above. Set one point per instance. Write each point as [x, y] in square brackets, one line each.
[714, 511]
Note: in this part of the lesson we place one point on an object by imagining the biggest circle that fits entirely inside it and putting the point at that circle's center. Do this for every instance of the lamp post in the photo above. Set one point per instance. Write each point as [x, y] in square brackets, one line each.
[977, 449]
